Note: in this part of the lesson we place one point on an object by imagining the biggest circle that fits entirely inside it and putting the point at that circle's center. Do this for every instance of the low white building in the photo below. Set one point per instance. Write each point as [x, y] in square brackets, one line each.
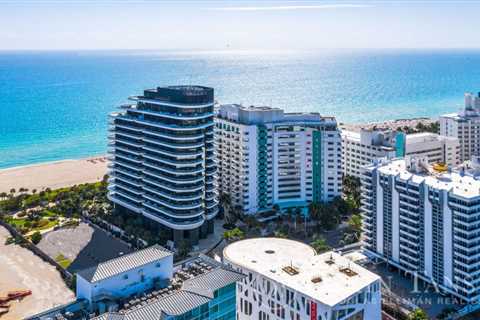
[437, 148]
[464, 125]
[362, 148]
[121, 277]
[286, 279]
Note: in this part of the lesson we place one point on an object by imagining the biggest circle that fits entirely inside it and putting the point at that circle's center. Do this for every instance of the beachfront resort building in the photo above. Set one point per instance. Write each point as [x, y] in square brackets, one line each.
[268, 157]
[464, 125]
[362, 148]
[286, 279]
[146, 285]
[162, 160]
[423, 220]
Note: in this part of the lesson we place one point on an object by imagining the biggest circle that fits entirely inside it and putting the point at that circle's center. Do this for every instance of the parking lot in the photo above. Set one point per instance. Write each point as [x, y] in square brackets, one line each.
[82, 246]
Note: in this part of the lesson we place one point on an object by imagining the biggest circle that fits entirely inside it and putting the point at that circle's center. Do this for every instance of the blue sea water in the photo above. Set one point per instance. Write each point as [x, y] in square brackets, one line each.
[54, 105]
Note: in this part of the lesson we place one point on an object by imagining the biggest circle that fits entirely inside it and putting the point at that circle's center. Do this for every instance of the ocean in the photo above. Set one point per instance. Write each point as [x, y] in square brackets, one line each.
[54, 105]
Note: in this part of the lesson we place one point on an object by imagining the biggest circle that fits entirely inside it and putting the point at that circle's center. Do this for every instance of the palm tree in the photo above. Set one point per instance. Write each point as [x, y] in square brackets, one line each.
[3, 195]
[34, 191]
[12, 191]
[226, 203]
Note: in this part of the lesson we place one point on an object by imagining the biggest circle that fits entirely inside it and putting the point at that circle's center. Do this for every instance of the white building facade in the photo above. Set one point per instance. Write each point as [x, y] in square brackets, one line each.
[465, 126]
[425, 222]
[437, 148]
[267, 157]
[286, 279]
[124, 276]
[362, 148]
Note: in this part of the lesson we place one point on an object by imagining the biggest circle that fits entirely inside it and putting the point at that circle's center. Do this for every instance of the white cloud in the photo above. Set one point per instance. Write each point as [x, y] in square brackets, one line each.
[296, 7]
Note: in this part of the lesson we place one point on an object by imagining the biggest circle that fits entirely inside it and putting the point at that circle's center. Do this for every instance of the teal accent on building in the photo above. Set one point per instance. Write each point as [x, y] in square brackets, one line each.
[317, 166]
[262, 164]
[222, 307]
[400, 141]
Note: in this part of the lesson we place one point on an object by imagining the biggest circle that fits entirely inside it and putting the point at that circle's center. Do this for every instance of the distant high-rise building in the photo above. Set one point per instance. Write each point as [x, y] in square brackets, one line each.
[287, 279]
[465, 126]
[267, 157]
[423, 220]
[162, 160]
[362, 148]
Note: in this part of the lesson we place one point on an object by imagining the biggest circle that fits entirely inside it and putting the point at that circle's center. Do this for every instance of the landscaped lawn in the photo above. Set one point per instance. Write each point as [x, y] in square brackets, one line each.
[20, 223]
[63, 261]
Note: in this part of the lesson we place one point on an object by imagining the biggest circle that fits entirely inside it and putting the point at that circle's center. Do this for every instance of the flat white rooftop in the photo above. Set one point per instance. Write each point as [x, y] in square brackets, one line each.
[270, 257]
[465, 186]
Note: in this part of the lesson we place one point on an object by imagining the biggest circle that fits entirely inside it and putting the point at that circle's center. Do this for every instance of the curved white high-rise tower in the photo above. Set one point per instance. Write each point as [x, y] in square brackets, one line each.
[162, 159]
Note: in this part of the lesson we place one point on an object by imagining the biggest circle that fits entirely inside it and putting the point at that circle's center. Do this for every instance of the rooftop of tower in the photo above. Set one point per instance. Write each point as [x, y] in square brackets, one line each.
[252, 115]
[464, 183]
[182, 94]
[328, 277]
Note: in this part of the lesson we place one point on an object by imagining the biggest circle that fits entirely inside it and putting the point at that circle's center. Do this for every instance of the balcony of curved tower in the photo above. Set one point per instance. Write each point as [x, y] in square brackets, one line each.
[172, 127]
[176, 137]
[175, 206]
[166, 169]
[211, 213]
[177, 196]
[177, 224]
[176, 154]
[172, 213]
[173, 187]
[175, 144]
[172, 179]
[178, 163]
[124, 202]
[172, 115]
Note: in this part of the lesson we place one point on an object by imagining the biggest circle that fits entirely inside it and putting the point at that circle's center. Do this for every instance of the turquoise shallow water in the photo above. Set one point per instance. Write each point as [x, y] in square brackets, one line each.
[54, 105]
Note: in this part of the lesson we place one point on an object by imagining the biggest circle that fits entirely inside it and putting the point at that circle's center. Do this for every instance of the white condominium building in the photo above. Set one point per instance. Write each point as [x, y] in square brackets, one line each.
[286, 279]
[425, 222]
[465, 126]
[267, 157]
[362, 148]
[437, 148]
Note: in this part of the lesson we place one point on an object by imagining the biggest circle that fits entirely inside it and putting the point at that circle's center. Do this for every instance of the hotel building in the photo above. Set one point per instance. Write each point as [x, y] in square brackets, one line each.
[286, 279]
[424, 221]
[362, 148]
[267, 157]
[465, 126]
[162, 160]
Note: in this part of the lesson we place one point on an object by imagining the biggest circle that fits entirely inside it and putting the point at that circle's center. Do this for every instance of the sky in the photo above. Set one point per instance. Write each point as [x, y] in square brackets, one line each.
[237, 25]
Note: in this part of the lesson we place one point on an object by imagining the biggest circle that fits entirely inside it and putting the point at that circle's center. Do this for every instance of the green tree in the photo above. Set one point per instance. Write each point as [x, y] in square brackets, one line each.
[234, 234]
[183, 249]
[320, 244]
[417, 314]
[36, 237]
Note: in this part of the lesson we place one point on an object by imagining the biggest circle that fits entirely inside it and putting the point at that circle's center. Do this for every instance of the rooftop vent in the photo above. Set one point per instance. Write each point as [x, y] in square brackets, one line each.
[348, 271]
[317, 279]
[291, 270]
[330, 260]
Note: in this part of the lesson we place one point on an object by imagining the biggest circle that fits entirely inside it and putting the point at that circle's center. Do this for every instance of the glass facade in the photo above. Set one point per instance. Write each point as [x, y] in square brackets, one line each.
[222, 307]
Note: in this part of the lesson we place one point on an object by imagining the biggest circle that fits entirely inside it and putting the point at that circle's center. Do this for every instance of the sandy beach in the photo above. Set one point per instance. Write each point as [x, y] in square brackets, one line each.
[53, 174]
[22, 270]
[389, 124]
